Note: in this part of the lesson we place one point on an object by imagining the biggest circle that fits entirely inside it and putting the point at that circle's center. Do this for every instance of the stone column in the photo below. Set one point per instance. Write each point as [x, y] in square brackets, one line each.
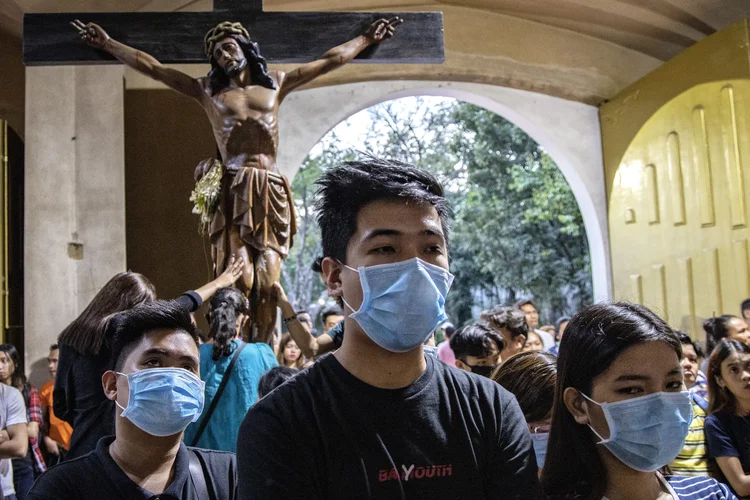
[74, 226]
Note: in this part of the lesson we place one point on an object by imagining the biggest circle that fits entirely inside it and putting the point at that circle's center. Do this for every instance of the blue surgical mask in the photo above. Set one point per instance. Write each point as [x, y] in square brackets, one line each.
[540, 440]
[402, 303]
[648, 432]
[163, 401]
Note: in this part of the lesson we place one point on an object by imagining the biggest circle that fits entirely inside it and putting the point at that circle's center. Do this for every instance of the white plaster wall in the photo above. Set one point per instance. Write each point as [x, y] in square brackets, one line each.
[74, 193]
[568, 130]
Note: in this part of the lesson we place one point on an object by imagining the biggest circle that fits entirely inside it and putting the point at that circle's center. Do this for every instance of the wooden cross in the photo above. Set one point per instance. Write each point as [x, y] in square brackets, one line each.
[284, 37]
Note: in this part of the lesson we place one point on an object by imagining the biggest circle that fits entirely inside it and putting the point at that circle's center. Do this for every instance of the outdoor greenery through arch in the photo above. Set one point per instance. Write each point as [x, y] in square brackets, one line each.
[517, 232]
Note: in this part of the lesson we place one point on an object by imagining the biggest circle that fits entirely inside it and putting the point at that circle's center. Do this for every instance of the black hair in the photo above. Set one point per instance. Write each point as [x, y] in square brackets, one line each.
[745, 305]
[448, 330]
[559, 323]
[274, 378]
[256, 64]
[54, 347]
[509, 318]
[123, 291]
[720, 399]
[475, 340]
[303, 311]
[331, 311]
[594, 338]
[226, 306]
[525, 302]
[686, 340]
[17, 379]
[129, 327]
[716, 328]
[343, 191]
[317, 265]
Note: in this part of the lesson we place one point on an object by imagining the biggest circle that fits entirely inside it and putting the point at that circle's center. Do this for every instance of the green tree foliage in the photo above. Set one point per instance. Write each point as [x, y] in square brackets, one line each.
[517, 231]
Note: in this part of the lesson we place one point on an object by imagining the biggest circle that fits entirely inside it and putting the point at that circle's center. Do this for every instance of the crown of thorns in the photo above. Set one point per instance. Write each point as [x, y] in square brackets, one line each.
[222, 30]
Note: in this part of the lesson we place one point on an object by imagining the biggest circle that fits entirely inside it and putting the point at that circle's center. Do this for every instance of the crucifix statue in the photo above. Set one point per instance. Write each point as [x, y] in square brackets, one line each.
[253, 216]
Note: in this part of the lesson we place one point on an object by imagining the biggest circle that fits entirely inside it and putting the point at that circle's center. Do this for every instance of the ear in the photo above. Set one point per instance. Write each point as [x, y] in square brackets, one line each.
[109, 384]
[521, 340]
[576, 405]
[720, 381]
[332, 276]
[463, 366]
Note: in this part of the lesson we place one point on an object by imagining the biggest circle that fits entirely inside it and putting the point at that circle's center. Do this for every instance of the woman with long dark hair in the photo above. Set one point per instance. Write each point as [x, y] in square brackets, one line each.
[728, 423]
[85, 353]
[290, 354]
[226, 317]
[25, 469]
[621, 411]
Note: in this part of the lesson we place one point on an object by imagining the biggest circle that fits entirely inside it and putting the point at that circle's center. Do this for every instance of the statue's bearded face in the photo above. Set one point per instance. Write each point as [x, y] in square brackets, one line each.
[229, 56]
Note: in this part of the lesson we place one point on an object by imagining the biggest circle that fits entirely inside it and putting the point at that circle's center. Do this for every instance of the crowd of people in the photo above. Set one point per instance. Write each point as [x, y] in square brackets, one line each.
[610, 403]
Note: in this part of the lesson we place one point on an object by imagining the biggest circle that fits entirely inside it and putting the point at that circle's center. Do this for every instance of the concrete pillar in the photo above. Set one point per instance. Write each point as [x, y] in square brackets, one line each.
[74, 226]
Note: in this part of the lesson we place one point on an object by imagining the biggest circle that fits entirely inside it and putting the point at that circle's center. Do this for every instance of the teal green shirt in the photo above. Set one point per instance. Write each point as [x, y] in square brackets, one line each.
[239, 395]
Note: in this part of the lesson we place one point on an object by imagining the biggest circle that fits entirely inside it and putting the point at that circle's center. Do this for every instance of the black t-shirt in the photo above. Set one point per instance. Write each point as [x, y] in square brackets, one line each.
[97, 476]
[326, 434]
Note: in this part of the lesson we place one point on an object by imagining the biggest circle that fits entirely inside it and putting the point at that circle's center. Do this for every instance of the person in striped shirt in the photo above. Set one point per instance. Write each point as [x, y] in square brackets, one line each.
[693, 459]
[621, 411]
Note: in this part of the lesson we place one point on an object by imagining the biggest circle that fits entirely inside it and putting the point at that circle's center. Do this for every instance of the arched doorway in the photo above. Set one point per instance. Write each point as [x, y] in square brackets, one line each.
[506, 244]
[568, 131]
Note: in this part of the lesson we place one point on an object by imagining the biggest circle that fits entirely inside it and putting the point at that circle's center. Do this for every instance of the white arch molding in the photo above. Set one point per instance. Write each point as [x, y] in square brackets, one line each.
[569, 132]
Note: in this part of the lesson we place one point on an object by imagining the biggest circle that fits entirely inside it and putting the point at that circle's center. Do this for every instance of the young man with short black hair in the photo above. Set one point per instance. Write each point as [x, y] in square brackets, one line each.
[156, 387]
[509, 322]
[378, 419]
[477, 349]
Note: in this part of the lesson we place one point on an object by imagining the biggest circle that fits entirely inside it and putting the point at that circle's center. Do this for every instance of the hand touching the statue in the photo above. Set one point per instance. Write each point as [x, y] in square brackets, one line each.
[91, 33]
[279, 294]
[231, 274]
[382, 29]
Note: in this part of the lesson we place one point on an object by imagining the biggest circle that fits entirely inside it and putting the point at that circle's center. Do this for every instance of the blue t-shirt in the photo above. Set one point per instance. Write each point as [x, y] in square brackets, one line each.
[699, 488]
[239, 395]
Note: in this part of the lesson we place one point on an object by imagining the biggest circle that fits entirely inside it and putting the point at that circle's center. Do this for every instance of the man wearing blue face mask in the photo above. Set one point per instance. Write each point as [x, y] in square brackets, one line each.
[378, 419]
[157, 391]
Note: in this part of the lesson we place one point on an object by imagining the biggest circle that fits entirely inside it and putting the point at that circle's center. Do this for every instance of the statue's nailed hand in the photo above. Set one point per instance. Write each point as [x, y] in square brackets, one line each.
[382, 29]
[91, 33]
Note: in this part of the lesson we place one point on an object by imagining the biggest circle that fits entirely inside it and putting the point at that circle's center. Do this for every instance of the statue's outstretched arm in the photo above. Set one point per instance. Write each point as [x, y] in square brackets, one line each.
[378, 31]
[95, 36]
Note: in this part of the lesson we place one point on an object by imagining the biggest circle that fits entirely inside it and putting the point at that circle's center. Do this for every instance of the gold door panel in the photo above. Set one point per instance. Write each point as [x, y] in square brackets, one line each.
[678, 207]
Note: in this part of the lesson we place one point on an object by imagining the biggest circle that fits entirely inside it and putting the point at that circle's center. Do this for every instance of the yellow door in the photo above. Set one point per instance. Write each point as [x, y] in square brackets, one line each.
[677, 162]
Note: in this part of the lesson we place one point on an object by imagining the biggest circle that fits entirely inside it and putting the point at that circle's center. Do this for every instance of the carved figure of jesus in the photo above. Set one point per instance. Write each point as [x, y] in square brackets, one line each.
[254, 218]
